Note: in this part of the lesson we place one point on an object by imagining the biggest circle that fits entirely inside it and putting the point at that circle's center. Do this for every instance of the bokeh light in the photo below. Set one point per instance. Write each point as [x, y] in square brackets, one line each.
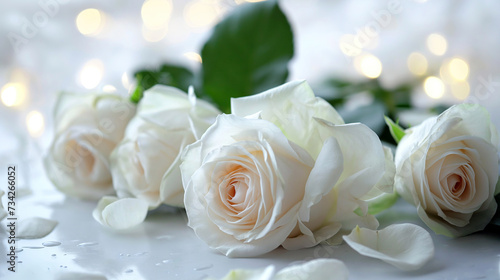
[13, 94]
[109, 88]
[35, 123]
[91, 74]
[460, 90]
[153, 35]
[193, 56]
[90, 22]
[201, 13]
[437, 44]
[459, 69]
[434, 87]
[156, 13]
[417, 64]
[368, 65]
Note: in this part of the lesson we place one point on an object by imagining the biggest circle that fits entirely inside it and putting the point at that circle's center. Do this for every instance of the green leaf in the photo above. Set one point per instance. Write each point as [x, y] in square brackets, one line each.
[170, 75]
[371, 115]
[247, 53]
[397, 131]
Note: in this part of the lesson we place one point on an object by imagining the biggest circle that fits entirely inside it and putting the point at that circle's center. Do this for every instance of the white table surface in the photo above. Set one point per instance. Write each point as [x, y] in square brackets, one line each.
[163, 247]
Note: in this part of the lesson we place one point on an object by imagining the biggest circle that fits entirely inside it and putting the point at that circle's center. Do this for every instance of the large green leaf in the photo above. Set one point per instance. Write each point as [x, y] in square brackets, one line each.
[170, 75]
[247, 53]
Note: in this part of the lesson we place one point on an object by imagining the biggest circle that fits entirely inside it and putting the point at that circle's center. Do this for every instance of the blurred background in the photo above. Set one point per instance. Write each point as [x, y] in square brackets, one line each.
[437, 52]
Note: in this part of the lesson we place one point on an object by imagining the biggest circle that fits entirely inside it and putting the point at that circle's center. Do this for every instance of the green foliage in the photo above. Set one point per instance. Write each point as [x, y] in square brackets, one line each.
[397, 131]
[170, 75]
[247, 53]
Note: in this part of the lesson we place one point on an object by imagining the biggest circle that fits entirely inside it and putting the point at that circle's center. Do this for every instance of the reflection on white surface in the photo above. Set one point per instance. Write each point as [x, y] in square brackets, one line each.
[164, 247]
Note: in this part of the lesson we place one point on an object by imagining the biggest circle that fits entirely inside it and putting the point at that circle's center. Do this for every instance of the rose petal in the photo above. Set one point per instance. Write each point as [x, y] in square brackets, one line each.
[405, 246]
[35, 227]
[316, 269]
[250, 274]
[120, 214]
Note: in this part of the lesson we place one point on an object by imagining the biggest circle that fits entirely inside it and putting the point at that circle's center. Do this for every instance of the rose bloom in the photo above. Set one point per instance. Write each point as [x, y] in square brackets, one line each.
[146, 163]
[87, 127]
[448, 167]
[283, 169]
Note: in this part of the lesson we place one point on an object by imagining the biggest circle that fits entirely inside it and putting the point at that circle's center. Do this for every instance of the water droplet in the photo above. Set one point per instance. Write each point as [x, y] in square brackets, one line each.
[18, 250]
[158, 264]
[51, 243]
[53, 255]
[129, 271]
[86, 244]
[204, 267]
[20, 262]
[128, 255]
[65, 266]
[165, 237]
[61, 265]
[122, 254]
[33, 247]
[165, 261]
[140, 254]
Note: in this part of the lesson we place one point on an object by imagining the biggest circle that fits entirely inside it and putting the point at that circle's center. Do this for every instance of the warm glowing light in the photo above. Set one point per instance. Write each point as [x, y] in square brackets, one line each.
[434, 87]
[460, 90]
[193, 56]
[13, 94]
[109, 88]
[201, 13]
[347, 45]
[417, 63]
[91, 74]
[459, 69]
[126, 81]
[437, 44]
[90, 22]
[156, 14]
[153, 35]
[35, 123]
[368, 65]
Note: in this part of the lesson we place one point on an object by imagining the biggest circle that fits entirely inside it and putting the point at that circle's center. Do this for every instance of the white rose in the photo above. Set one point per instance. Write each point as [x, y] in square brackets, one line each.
[290, 178]
[146, 163]
[87, 129]
[448, 167]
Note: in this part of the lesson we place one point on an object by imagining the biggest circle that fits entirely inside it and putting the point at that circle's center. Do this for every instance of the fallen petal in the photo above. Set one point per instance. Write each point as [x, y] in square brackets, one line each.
[249, 274]
[122, 213]
[405, 246]
[33, 228]
[331, 269]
